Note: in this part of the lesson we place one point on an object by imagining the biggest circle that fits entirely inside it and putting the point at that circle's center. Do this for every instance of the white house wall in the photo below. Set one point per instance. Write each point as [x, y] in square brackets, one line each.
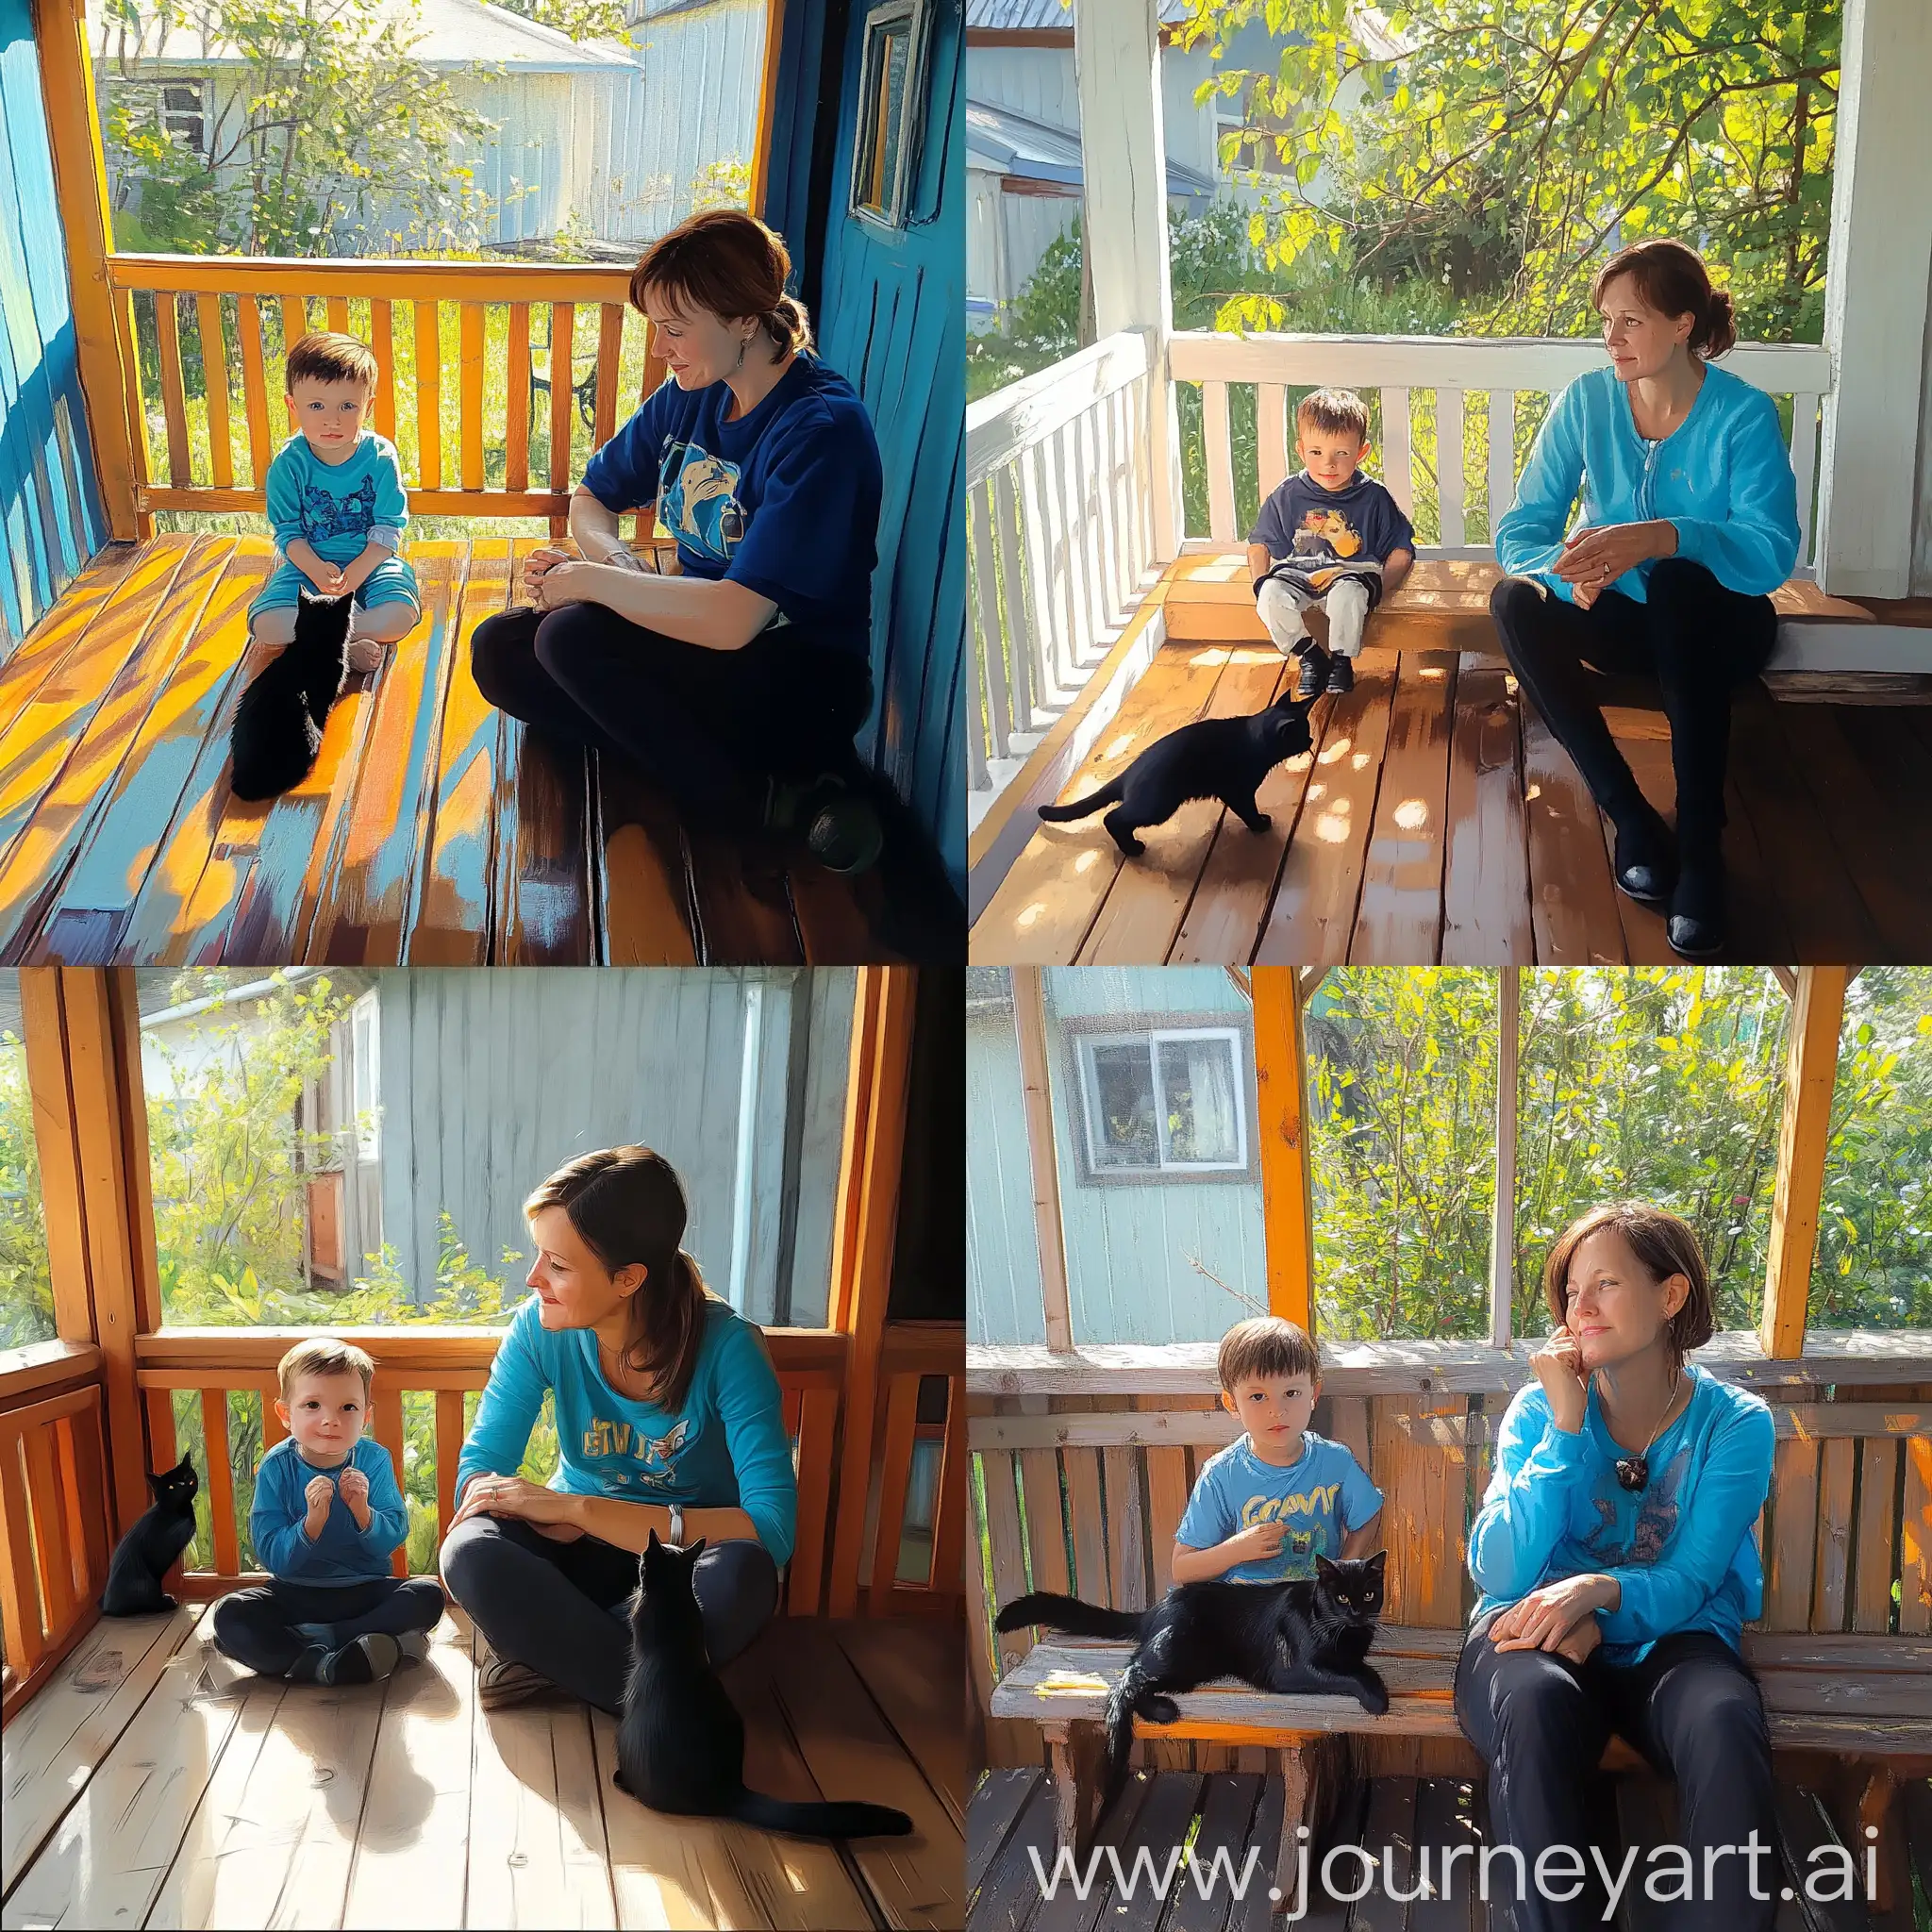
[702, 71]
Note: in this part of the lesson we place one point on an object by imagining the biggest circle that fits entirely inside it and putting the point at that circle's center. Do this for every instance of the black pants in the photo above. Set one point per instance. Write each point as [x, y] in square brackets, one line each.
[559, 1606]
[701, 723]
[1691, 1707]
[262, 1627]
[1695, 638]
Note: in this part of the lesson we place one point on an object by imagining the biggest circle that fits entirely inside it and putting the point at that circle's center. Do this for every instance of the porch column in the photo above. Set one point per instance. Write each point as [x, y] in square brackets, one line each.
[1876, 300]
[1124, 214]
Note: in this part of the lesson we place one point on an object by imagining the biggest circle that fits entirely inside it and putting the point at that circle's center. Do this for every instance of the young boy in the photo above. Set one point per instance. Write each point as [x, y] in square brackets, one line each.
[1278, 1497]
[327, 1515]
[1328, 536]
[336, 504]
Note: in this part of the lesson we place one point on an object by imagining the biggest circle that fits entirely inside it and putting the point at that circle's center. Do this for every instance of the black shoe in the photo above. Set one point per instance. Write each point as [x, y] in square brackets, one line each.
[365, 1661]
[1340, 678]
[1695, 927]
[1647, 860]
[1314, 678]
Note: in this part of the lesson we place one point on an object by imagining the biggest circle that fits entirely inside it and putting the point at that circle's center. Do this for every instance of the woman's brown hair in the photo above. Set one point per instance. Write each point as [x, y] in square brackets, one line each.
[628, 1205]
[1663, 1243]
[728, 262]
[1671, 279]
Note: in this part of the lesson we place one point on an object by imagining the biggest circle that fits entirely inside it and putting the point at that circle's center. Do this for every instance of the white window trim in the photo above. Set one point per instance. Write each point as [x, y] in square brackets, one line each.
[1152, 1038]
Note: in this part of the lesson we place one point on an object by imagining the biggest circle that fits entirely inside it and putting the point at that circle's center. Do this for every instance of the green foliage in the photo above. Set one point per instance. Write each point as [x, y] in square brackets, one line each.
[1509, 148]
[27, 1290]
[582, 20]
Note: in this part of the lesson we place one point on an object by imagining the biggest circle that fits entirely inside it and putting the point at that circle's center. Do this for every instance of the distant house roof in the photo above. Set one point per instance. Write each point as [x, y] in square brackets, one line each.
[447, 33]
[1014, 144]
[1031, 16]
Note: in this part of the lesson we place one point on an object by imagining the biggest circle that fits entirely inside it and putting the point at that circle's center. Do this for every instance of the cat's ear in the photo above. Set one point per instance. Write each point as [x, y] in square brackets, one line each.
[696, 1549]
[1377, 1561]
[1323, 1568]
[654, 1543]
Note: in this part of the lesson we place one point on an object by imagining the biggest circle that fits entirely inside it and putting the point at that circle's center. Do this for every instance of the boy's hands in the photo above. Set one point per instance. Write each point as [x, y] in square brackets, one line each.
[354, 1487]
[326, 578]
[319, 1495]
[1257, 1542]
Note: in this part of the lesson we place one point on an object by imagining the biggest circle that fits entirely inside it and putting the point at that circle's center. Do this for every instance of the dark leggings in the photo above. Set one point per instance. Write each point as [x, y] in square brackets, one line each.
[1695, 638]
[1691, 1707]
[701, 723]
[262, 1627]
[558, 1607]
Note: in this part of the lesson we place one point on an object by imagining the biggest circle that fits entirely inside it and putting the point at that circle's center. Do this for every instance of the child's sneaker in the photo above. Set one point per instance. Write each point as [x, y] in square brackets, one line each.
[414, 1645]
[363, 1660]
[1340, 678]
[1314, 678]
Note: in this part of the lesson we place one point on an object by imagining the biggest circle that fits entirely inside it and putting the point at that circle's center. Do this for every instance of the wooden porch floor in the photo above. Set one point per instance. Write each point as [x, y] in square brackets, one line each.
[1436, 820]
[430, 831]
[1241, 1812]
[153, 1783]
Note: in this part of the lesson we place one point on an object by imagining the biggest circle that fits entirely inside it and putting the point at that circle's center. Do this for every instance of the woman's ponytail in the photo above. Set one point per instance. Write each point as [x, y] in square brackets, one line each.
[1717, 330]
[788, 325]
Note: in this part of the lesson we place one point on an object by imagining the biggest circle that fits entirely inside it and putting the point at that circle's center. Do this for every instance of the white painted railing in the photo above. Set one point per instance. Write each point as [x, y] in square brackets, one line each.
[1060, 538]
[1422, 383]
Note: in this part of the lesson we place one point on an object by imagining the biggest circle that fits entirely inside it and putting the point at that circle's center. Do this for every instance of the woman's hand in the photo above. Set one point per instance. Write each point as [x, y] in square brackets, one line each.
[1593, 559]
[572, 581]
[540, 563]
[1558, 1365]
[1544, 1619]
[510, 1495]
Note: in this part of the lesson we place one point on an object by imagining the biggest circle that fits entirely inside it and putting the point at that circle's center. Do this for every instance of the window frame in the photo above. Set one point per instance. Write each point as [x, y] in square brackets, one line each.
[883, 24]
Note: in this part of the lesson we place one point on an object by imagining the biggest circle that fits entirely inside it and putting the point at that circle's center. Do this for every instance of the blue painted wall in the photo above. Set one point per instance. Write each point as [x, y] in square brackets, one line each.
[889, 305]
[50, 508]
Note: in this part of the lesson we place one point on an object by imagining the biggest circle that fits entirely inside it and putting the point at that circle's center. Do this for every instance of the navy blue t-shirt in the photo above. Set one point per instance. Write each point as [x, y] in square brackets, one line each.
[1317, 536]
[784, 500]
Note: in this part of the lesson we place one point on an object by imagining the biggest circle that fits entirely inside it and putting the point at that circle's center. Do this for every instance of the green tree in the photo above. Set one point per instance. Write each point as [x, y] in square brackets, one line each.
[26, 1288]
[582, 20]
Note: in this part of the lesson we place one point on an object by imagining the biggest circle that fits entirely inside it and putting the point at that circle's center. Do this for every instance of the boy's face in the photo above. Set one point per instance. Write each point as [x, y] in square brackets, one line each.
[329, 414]
[1331, 457]
[1273, 1409]
[325, 1414]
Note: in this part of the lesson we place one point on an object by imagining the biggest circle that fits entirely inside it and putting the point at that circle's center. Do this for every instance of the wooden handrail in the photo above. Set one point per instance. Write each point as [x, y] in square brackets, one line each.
[42, 1368]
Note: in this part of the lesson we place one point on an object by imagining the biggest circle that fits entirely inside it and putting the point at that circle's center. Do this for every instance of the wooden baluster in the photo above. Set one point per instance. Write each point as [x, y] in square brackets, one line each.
[389, 1432]
[1915, 1540]
[428, 397]
[49, 1507]
[1876, 1550]
[1398, 469]
[294, 326]
[609, 347]
[949, 1510]
[137, 408]
[1449, 485]
[516, 468]
[1022, 652]
[337, 306]
[562, 404]
[20, 1602]
[469, 392]
[1804, 465]
[220, 1481]
[1107, 519]
[977, 777]
[895, 1471]
[449, 1449]
[163, 1449]
[1067, 459]
[174, 396]
[818, 1421]
[255, 407]
[382, 342]
[1121, 404]
[1270, 438]
[1502, 456]
[90, 1477]
[1220, 461]
[74, 1501]
[1060, 592]
[1049, 653]
[1087, 469]
[214, 370]
[986, 626]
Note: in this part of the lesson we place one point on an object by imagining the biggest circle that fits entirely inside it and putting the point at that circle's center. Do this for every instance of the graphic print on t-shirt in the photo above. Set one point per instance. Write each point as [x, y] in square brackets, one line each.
[655, 1456]
[325, 515]
[1301, 1545]
[1326, 533]
[701, 508]
[1653, 1525]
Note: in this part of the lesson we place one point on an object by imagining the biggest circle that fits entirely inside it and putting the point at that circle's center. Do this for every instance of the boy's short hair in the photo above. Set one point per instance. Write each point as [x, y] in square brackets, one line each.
[325, 1355]
[1267, 1345]
[1335, 410]
[330, 357]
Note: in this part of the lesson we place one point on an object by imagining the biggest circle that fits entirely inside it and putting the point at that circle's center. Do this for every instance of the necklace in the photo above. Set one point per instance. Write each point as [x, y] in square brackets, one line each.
[1633, 1472]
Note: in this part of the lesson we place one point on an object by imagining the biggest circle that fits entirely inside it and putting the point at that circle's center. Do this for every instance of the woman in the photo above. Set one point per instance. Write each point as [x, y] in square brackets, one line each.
[739, 683]
[1618, 1566]
[668, 1419]
[1690, 521]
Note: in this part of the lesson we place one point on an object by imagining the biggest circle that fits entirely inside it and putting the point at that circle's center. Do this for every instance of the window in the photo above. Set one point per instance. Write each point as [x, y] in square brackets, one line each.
[1166, 1102]
[26, 1292]
[892, 116]
[180, 107]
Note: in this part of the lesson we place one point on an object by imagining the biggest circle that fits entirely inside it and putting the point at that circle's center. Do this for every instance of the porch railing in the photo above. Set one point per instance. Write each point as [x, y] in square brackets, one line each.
[1060, 535]
[436, 328]
[1428, 394]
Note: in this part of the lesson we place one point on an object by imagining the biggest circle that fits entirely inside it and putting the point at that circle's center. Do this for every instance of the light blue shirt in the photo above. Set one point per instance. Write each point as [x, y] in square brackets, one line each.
[1722, 478]
[1684, 1549]
[1318, 1498]
[725, 1449]
[338, 510]
[343, 1553]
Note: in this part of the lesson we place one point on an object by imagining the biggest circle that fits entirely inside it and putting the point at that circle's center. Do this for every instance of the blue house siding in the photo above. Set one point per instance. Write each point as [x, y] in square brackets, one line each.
[51, 520]
[1130, 1248]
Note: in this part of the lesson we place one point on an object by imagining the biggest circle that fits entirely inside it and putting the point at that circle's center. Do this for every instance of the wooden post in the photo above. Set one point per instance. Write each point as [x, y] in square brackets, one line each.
[1503, 1216]
[81, 186]
[1281, 1090]
[768, 102]
[1875, 299]
[1030, 1023]
[1810, 1070]
[1123, 216]
[862, 1243]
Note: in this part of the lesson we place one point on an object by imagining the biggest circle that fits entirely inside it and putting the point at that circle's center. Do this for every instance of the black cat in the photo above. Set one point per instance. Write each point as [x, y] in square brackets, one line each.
[154, 1539]
[1213, 758]
[277, 732]
[680, 1741]
[1309, 1634]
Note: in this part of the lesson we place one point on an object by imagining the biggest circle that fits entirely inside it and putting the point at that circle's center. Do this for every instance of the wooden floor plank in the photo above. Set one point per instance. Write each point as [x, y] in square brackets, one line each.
[1041, 911]
[1642, 734]
[658, 1864]
[91, 920]
[1008, 1892]
[1880, 741]
[913, 1672]
[1002, 1795]
[1147, 900]
[843, 922]
[1227, 1809]
[741, 904]
[40, 654]
[1573, 901]
[1486, 868]
[646, 918]
[1400, 919]
[451, 914]
[543, 828]
[1313, 915]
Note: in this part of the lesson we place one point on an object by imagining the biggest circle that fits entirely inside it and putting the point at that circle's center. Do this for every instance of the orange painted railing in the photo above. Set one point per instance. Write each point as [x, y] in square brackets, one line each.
[912, 1352]
[273, 301]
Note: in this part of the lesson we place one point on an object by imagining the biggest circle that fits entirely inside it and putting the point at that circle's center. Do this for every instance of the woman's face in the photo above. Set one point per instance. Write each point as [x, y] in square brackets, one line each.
[1613, 1307]
[698, 349]
[574, 1290]
[1641, 340]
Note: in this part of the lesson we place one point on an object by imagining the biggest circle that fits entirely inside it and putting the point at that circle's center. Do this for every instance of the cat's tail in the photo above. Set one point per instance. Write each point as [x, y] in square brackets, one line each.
[1080, 807]
[839, 1819]
[1070, 1614]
